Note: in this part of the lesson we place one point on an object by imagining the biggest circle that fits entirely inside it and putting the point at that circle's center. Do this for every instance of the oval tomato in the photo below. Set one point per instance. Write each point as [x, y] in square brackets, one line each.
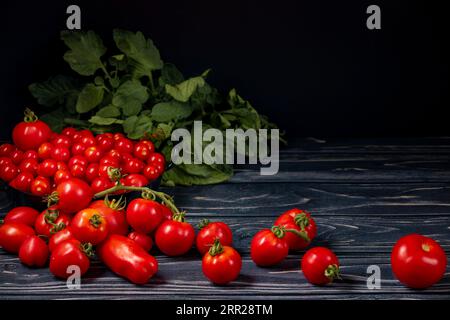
[22, 182]
[209, 232]
[268, 247]
[114, 215]
[88, 225]
[175, 237]
[63, 141]
[221, 264]
[135, 180]
[143, 240]
[133, 166]
[320, 266]
[23, 215]
[30, 133]
[73, 195]
[144, 215]
[59, 237]
[78, 149]
[141, 151]
[12, 235]
[68, 254]
[31, 154]
[33, 252]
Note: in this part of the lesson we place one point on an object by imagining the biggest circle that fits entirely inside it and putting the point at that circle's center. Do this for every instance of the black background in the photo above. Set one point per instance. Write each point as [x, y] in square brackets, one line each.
[312, 66]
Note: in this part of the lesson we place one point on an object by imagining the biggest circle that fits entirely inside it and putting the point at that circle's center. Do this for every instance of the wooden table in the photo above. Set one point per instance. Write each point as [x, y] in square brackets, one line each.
[364, 195]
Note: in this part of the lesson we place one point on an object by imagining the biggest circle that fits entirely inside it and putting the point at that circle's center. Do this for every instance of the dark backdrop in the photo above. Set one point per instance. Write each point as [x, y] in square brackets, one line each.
[312, 66]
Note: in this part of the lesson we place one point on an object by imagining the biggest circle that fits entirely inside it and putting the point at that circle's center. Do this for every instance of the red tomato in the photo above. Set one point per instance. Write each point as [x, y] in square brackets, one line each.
[78, 160]
[5, 161]
[60, 154]
[12, 235]
[303, 223]
[59, 237]
[88, 225]
[209, 232]
[166, 212]
[22, 182]
[6, 149]
[157, 160]
[45, 150]
[151, 173]
[221, 264]
[118, 136]
[16, 157]
[134, 179]
[124, 145]
[133, 166]
[109, 161]
[144, 215]
[63, 141]
[141, 151]
[67, 254]
[51, 221]
[62, 166]
[92, 172]
[104, 142]
[175, 237]
[47, 168]
[33, 252]
[40, 186]
[69, 132]
[8, 172]
[114, 154]
[93, 154]
[113, 214]
[78, 171]
[418, 261]
[149, 144]
[126, 157]
[29, 165]
[88, 141]
[320, 266]
[31, 133]
[268, 247]
[73, 195]
[101, 184]
[31, 154]
[78, 149]
[61, 175]
[143, 240]
[23, 215]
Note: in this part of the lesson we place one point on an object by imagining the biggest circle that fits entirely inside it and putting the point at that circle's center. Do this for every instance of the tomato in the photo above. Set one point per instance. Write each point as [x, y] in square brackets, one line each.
[33, 252]
[157, 160]
[73, 195]
[5, 161]
[40, 186]
[63, 141]
[61, 175]
[104, 142]
[221, 264]
[109, 161]
[101, 184]
[149, 144]
[268, 247]
[6, 149]
[124, 145]
[88, 141]
[62, 166]
[320, 266]
[88, 225]
[117, 136]
[114, 154]
[69, 132]
[60, 154]
[303, 223]
[78, 149]
[93, 154]
[175, 237]
[209, 232]
[51, 221]
[114, 215]
[133, 166]
[8, 172]
[22, 182]
[45, 150]
[67, 254]
[24, 215]
[29, 165]
[92, 172]
[134, 179]
[143, 240]
[16, 156]
[31, 133]
[151, 173]
[126, 258]
[78, 171]
[59, 237]
[77, 160]
[47, 168]
[30, 154]
[144, 215]
[141, 150]
[12, 235]
[125, 157]
[418, 261]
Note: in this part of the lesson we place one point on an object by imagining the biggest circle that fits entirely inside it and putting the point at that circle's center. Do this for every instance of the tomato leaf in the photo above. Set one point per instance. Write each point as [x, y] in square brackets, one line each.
[109, 111]
[104, 121]
[54, 90]
[171, 75]
[55, 119]
[90, 97]
[184, 90]
[197, 174]
[172, 110]
[136, 126]
[130, 96]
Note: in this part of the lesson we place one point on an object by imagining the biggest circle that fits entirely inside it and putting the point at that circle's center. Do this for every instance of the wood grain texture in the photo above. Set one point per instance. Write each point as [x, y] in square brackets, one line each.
[364, 195]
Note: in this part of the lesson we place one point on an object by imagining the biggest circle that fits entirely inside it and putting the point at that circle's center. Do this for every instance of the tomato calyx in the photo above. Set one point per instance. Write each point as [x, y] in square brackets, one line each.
[50, 217]
[301, 220]
[426, 247]
[280, 231]
[179, 216]
[116, 204]
[52, 198]
[96, 220]
[203, 223]
[114, 174]
[216, 248]
[332, 272]
[87, 249]
[29, 116]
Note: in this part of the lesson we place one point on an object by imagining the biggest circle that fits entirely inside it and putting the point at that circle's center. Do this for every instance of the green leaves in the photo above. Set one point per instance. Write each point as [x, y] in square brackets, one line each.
[184, 90]
[108, 111]
[53, 91]
[197, 174]
[137, 126]
[130, 96]
[85, 52]
[142, 53]
[172, 110]
[90, 97]
[104, 121]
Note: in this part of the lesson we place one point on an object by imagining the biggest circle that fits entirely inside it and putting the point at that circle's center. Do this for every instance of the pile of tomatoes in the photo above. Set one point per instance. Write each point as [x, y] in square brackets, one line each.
[40, 159]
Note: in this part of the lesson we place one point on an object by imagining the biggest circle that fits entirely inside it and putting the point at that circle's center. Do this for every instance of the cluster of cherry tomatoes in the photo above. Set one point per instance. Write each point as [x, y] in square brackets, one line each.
[40, 159]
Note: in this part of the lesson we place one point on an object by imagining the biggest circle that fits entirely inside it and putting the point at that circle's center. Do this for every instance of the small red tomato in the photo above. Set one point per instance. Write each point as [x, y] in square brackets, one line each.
[151, 173]
[88, 225]
[40, 186]
[114, 215]
[418, 261]
[303, 223]
[93, 154]
[6, 149]
[51, 221]
[144, 215]
[141, 151]
[209, 232]
[16, 156]
[133, 166]
[101, 184]
[8, 172]
[149, 144]
[29, 165]
[104, 143]
[61, 175]
[31, 154]
[157, 159]
[320, 266]
[109, 161]
[69, 132]
[62, 166]
[63, 141]
[45, 150]
[221, 264]
[126, 157]
[103, 170]
[114, 154]
[33, 252]
[22, 182]
[117, 136]
[175, 237]
[92, 172]
[47, 168]
[268, 247]
[166, 212]
[24, 215]
[143, 240]
[124, 145]
[30, 133]
[73, 195]
[59, 237]
[135, 180]
[78, 160]
[68, 254]
[12, 235]
[78, 171]
[5, 161]
[88, 141]
[78, 149]
[61, 154]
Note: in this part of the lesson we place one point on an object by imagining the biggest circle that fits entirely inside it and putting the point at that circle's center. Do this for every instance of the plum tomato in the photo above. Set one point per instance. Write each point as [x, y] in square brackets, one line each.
[22, 214]
[114, 214]
[135, 180]
[143, 240]
[22, 182]
[34, 252]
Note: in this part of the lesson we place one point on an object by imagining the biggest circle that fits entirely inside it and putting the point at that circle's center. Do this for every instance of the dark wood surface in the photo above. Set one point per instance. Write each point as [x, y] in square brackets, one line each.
[364, 195]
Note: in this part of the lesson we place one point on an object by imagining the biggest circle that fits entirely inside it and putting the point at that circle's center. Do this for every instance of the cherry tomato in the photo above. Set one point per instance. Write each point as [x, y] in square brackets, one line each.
[114, 154]
[109, 161]
[45, 150]
[78, 171]
[141, 151]
[78, 149]
[101, 184]
[209, 232]
[114, 215]
[124, 145]
[31, 133]
[47, 168]
[103, 170]
[8, 172]
[157, 160]
[23, 215]
[6, 149]
[126, 157]
[12, 235]
[78, 160]
[67, 254]
[166, 212]
[33, 252]
[88, 141]
[117, 136]
[69, 132]
[143, 240]
[16, 156]
[88, 225]
[60, 176]
[62, 166]
[93, 154]
[133, 166]
[175, 237]
[320, 266]
[418, 261]
[144, 215]
[5, 161]
[61, 154]
[268, 247]
[104, 142]
[92, 172]
[51, 221]
[31, 154]
[40, 186]
[301, 221]
[134, 179]
[59, 237]
[22, 182]
[73, 195]
[63, 141]
[221, 264]
[149, 145]
[151, 173]
[29, 165]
